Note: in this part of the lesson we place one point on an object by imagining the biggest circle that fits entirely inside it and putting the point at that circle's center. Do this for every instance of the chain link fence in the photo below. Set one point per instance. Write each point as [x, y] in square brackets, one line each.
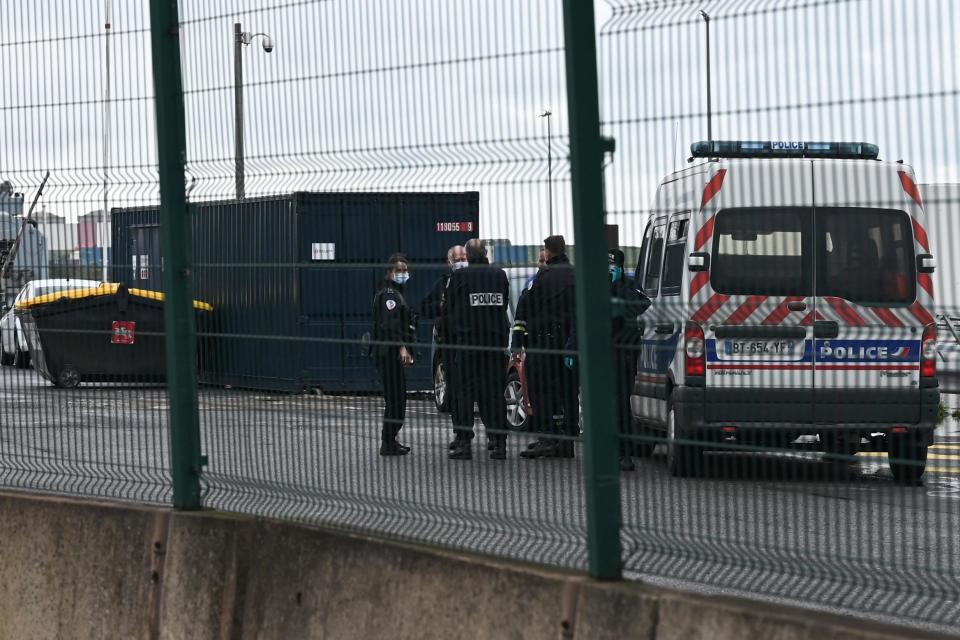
[276, 168]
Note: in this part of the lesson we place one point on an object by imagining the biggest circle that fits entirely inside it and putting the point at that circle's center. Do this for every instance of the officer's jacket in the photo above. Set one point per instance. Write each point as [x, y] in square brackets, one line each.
[548, 312]
[431, 307]
[476, 304]
[393, 320]
[627, 303]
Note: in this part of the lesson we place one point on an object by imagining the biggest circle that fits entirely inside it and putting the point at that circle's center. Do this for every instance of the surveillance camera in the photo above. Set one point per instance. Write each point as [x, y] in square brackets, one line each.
[268, 44]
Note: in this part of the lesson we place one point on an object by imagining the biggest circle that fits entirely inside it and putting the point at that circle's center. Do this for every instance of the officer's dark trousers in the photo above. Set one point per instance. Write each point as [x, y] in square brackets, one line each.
[481, 376]
[449, 365]
[625, 372]
[553, 391]
[394, 380]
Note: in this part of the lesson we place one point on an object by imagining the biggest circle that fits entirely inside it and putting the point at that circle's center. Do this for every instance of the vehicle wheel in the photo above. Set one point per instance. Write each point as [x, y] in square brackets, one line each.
[68, 378]
[907, 456]
[517, 416]
[6, 359]
[21, 359]
[440, 396]
[683, 460]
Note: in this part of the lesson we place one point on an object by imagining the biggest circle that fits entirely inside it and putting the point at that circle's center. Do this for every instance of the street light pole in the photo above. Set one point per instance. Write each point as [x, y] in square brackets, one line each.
[108, 26]
[238, 105]
[546, 114]
[706, 19]
[240, 38]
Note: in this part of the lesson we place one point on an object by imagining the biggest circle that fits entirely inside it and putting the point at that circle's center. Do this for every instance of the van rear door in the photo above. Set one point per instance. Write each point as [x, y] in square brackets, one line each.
[757, 308]
[870, 322]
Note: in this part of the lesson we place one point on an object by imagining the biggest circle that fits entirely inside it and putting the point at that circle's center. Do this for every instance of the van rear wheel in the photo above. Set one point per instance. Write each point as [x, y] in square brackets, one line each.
[907, 455]
[683, 460]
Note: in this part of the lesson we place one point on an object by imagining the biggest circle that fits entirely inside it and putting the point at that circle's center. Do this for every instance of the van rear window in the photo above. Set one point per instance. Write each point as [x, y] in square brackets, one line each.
[762, 252]
[863, 255]
[866, 256]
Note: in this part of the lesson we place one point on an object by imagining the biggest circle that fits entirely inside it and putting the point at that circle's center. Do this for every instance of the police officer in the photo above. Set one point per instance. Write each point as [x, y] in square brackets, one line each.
[476, 313]
[548, 316]
[625, 337]
[518, 334]
[430, 307]
[393, 335]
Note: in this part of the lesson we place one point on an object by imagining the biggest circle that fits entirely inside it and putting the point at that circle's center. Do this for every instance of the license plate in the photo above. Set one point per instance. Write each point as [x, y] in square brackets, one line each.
[760, 348]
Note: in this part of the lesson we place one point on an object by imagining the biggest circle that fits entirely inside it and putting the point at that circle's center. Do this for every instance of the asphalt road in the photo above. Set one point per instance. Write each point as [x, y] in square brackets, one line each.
[792, 527]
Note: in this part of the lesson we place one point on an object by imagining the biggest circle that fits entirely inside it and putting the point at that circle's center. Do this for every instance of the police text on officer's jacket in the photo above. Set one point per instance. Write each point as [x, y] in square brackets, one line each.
[486, 299]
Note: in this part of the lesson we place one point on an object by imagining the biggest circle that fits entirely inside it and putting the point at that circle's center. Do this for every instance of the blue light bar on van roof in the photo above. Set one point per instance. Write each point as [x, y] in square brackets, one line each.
[784, 149]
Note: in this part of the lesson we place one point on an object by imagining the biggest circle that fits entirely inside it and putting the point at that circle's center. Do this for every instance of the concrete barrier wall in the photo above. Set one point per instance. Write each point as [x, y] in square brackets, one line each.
[73, 569]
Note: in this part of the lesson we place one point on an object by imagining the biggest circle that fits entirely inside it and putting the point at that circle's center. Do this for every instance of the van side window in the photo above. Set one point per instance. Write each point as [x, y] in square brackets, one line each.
[642, 259]
[651, 278]
[673, 263]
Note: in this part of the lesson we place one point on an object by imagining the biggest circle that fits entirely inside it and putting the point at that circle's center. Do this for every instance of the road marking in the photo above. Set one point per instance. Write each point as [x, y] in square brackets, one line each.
[944, 470]
[930, 456]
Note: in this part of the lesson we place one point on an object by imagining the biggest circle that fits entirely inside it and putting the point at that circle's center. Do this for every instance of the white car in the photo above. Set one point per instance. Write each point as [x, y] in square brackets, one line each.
[13, 346]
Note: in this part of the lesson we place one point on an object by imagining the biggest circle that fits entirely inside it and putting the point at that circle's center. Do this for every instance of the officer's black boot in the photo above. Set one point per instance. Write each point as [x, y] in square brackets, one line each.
[626, 464]
[389, 445]
[498, 448]
[565, 449]
[463, 452]
[543, 448]
[459, 439]
[390, 448]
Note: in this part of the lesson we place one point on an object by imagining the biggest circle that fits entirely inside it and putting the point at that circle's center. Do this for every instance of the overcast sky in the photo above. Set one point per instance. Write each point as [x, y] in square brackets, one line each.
[445, 94]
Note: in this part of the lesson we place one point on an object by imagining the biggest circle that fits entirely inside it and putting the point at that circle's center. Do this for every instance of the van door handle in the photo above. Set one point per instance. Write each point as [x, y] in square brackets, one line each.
[797, 305]
[664, 328]
[825, 329]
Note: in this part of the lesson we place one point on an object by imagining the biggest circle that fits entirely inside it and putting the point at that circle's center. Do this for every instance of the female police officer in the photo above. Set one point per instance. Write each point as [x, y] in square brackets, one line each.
[393, 335]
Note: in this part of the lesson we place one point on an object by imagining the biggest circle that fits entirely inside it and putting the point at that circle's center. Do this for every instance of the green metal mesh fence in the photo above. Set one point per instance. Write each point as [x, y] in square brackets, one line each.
[757, 388]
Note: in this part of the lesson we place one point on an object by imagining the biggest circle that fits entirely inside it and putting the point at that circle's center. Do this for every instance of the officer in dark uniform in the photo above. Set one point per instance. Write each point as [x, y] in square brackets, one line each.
[625, 337]
[430, 309]
[475, 310]
[548, 316]
[394, 324]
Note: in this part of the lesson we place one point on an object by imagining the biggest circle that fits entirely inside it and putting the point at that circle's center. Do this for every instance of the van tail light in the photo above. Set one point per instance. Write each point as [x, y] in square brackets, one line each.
[928, 352]
[695, 350]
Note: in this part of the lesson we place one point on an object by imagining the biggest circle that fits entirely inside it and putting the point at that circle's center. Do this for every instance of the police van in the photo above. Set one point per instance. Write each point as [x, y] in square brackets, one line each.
[791, 296]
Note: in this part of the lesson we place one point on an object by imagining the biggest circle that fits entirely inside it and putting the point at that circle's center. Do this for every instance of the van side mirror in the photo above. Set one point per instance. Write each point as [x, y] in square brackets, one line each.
[698, 261]
[926, 263]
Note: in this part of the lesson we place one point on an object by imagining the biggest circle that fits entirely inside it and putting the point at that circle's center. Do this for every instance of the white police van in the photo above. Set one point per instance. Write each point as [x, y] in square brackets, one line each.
[792, 296]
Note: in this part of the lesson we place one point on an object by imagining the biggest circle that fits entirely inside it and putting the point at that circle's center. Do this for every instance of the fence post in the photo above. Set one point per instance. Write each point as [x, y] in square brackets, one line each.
[175, 243]
[601, 468]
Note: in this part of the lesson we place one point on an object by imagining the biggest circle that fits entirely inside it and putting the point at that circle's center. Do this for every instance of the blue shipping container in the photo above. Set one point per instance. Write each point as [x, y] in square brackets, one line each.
[292, 278]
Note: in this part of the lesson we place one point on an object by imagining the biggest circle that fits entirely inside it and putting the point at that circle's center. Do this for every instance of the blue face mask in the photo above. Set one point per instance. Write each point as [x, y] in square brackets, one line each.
[402, 277]
[616, 273]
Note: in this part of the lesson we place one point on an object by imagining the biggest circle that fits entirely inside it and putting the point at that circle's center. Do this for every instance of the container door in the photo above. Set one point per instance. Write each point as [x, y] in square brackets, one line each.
[870, 322]
[321, 290]
[146, 258]
[755, 306]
